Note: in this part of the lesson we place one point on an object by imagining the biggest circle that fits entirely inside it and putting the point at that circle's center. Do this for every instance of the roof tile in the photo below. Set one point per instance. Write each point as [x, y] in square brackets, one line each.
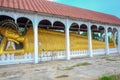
[49, 7]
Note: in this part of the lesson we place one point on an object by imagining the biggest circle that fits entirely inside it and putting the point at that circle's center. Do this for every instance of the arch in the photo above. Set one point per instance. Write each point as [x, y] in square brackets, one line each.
[115, 30]
[10, 14]
[110, 29]
[45, 24]
[110, 34]
[7, 21]
[53, 38]
[94, 28]
[74, 22]
[101, 31]
[101, 28]
[115, 36]
[5, 17]
[111, 37]
[95, 32]
[30, 17]
[74, 27]
[63, 21]
[23, 24]
[58, 25]
[83, 27]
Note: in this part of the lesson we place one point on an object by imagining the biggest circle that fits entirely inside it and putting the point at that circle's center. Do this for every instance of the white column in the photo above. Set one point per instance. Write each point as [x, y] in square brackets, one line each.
[35, 28]
[106, 41]
[114, 39]
[119, 40]
[15, 18]
[79, 30]
[90, 41]
[101, 37]
[67, 40]
[16, 21]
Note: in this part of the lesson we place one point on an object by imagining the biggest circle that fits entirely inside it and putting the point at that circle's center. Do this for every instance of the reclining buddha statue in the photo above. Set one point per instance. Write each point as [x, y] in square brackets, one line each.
[9, 37]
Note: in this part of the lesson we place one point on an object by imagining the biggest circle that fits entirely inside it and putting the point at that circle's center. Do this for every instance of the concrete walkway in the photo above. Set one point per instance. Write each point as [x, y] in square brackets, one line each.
[75, 69]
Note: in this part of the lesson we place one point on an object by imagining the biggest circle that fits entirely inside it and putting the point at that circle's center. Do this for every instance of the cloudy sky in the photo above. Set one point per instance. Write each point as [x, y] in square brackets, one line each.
[105, 6]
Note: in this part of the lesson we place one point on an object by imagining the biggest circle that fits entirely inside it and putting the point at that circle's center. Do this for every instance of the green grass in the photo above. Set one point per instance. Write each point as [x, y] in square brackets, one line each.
[110, 77]
[62, 76]
[73, 66]
[82, 64]
[68, 68]
[104, 57]
[108, 59]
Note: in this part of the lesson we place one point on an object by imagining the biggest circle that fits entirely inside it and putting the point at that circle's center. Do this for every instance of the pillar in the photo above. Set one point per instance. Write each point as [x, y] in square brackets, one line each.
[100, 36]
[16, 21]
[15, 17]
[79, 30]
[114, 38]
[119, 40]
[35, 28]
[67, 40]
[106, 41]
[90, 41]
[101, 33]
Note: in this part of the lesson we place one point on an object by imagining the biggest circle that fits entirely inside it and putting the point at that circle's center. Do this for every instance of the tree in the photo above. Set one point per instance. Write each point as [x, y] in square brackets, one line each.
[22, 31]
[84, 34]
[95, 36]
[109, 39]
[117, 40]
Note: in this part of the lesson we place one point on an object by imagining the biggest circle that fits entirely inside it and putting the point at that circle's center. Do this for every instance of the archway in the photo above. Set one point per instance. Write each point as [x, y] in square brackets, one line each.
[111, 38]
[115, 36]
[74, 32]
[58, 26]
[95, 37]
[43, 31]
[83, 37]
[7, 21]
[74, 28]
[51, 37]
[24, 24]
[94, 32]
[101, 32]
[83, 30]
[26, 29]
[5, 17]
[45, 24]
[8, 34]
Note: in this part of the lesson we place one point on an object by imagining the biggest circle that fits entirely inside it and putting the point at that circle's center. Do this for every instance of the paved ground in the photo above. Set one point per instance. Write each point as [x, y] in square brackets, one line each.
[75, 69]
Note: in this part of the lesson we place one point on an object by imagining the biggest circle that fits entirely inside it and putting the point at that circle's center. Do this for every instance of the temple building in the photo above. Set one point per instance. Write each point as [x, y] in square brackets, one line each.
[53, 31]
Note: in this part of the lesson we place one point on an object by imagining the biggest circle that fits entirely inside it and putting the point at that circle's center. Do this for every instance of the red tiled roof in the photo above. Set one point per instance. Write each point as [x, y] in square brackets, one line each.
[45, 6]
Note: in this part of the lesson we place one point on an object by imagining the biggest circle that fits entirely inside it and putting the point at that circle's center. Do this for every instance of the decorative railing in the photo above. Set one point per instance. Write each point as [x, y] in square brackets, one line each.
[79, 53]
[15, 59]
[49, 56]
[98, 51]
[54, 55]
[113, 50]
